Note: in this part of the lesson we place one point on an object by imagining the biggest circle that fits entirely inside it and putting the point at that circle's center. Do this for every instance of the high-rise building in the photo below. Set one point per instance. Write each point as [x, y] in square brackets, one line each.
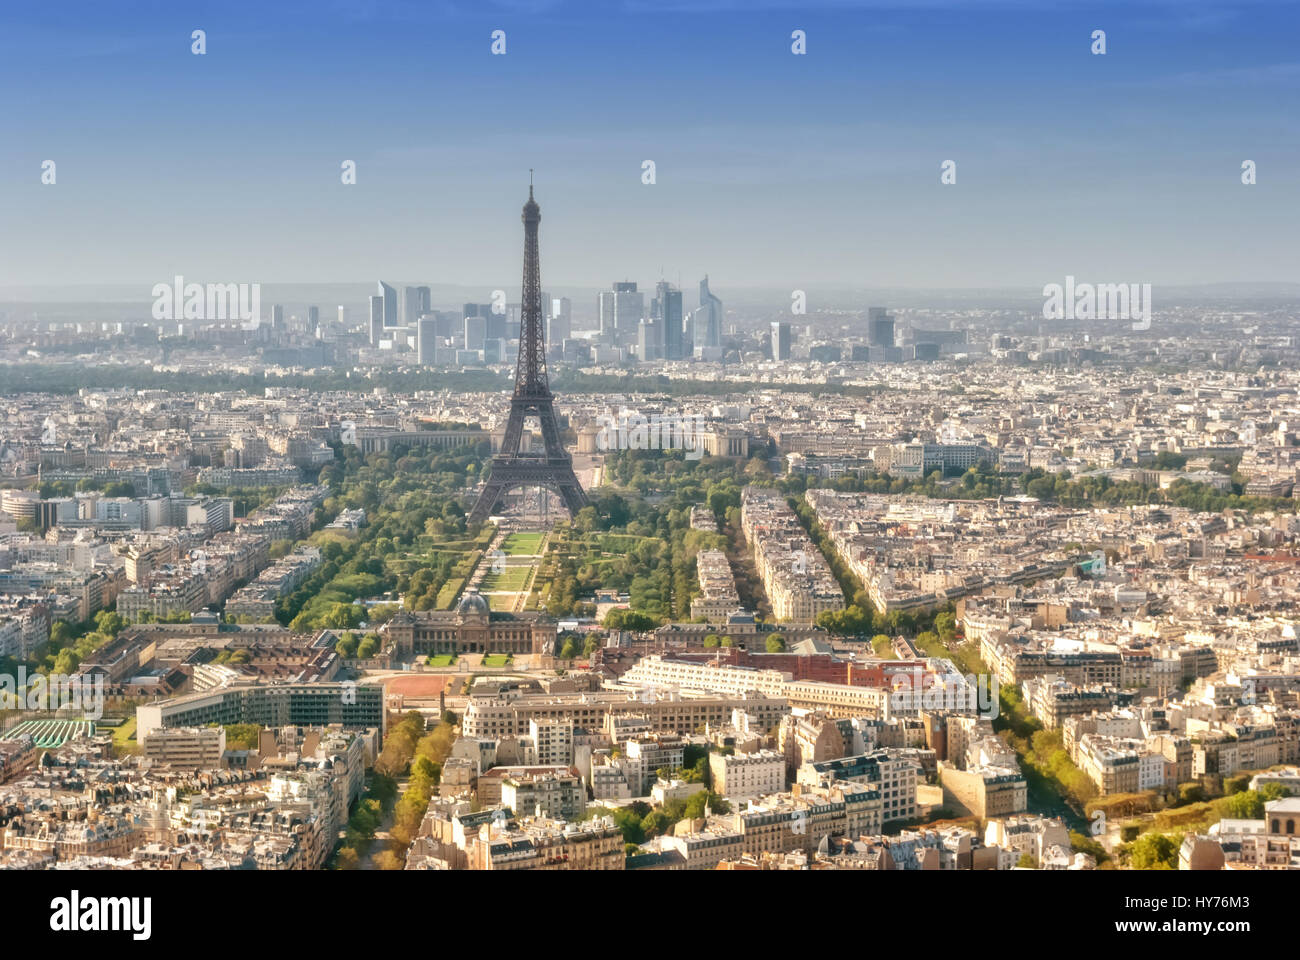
[476, 332]
[621, 311]
[376, 320]
[708, 318]
[389, 295]
[426, 340]
[277, 317]
[494, 325]
[667, 310]
[410, 306]
[629, 309]
[559, 325]
[781, 340]
[880, 327]
[605, 313]
[313, 321]
[343, 319]
[649, 339]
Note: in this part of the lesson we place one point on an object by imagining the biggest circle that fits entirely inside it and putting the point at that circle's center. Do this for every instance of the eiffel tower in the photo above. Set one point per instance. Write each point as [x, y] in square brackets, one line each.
[532, 398]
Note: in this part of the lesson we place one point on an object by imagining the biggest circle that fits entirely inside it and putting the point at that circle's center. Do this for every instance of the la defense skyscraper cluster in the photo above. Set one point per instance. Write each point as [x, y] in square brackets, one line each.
[532, 397]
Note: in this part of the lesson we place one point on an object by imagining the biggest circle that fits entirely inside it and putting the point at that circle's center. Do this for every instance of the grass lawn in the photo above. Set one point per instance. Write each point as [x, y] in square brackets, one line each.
[124, 736]
[523, 544]
[496, 660]
[511, 578]
[441, 660]
[503, 602]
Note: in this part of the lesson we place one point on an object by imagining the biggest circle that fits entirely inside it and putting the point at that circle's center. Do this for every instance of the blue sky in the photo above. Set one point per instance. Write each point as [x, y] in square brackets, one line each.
[772, 169]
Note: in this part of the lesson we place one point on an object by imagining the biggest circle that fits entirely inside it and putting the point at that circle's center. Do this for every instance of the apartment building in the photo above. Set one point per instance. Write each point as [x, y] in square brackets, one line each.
[493, 716]
[552, 740]
[795, 575]
[741, 776]
[197, 748]
[893, 775]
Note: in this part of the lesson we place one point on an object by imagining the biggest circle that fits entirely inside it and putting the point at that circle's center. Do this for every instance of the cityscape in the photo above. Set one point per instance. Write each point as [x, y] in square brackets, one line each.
[688, 569]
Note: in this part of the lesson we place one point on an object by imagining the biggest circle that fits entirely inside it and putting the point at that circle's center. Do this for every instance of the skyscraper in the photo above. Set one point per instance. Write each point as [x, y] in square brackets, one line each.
[313, 321]
[389, 296]
[708, 318]
[560, 323]
[605, 315]
[494, 325]
[410, 306]
[343, 319]
[621, 310]
[376, 320]
[667, 311]
[629, 308]
[880, 327]
[649, 342]
[476, 331]
[780, 340]
[426, 341]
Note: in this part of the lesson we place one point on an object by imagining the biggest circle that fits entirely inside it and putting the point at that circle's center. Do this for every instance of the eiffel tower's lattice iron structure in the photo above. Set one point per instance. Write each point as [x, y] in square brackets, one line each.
[532, 398]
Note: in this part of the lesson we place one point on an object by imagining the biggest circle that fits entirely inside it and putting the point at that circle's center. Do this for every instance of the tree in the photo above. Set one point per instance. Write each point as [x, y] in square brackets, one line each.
[388, 860]
[1273, 791]
[775, 643]
[348, 859]
[1247, 805]
[945, 624]
[1154, 851]
[1027, 862]
[1081, 843]
[631, 620]
[1191, 793]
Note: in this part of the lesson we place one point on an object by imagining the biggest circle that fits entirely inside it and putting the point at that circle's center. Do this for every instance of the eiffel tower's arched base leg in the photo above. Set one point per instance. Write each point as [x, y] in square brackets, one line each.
[510, 474]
